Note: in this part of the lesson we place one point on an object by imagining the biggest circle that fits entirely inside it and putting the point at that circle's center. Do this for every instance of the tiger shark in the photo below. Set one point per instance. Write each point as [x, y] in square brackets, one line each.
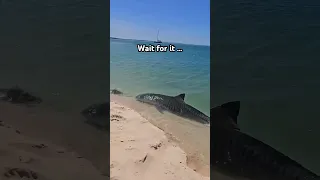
[238, 156]
[175, 105]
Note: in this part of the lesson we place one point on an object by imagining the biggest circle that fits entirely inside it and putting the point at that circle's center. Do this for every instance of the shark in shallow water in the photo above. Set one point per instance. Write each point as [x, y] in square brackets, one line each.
[175, 105]
[238, 156]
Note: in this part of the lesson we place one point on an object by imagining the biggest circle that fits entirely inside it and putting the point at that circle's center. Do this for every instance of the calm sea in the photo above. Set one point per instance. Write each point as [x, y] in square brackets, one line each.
[169, 73]
[56, 47]
[266, 54]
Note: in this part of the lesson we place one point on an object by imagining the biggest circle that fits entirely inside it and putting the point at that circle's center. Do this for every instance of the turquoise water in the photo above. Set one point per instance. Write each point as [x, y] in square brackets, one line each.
[169, 73]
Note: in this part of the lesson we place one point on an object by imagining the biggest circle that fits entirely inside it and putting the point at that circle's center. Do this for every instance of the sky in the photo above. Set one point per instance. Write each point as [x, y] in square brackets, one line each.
[181, 21]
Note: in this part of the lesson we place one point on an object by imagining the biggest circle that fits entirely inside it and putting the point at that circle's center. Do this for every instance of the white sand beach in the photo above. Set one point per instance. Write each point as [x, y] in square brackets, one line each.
[142, 151]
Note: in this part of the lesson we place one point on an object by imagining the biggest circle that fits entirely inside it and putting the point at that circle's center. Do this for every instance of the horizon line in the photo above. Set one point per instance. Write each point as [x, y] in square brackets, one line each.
[163, 41]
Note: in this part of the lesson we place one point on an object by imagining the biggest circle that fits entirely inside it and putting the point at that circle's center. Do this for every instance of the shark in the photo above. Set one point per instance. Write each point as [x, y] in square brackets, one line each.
[175, 105]
[98, 115]
[236, 155]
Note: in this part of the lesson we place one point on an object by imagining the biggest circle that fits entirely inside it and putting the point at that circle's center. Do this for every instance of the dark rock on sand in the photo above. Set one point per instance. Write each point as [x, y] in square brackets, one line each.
[18, 95]
[98, 115]
[115, 91]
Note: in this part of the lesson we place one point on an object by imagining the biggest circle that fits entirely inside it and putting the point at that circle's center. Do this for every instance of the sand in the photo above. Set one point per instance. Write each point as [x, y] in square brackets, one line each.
[141, 151]
[39, 144]
[22, 156]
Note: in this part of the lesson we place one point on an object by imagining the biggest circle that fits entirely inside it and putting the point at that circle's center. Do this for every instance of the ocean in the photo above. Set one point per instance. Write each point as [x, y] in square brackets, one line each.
[169, 73]
[266, 54]
[56, 48]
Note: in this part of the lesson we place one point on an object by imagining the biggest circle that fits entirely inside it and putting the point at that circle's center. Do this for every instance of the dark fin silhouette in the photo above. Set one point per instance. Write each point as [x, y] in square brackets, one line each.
[115, 91]
[233, 109]
[160, 109]
[181, 96]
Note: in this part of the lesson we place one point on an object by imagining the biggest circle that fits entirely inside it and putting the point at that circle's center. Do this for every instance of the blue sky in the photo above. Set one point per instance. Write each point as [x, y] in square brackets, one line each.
[182, 21]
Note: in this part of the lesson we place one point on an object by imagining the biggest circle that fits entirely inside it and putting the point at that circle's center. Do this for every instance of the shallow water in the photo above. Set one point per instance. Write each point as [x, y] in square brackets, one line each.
[56, 50]
[166, 73]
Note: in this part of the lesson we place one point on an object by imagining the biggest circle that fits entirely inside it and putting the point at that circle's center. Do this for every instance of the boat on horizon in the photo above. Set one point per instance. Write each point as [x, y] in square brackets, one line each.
[158, 40]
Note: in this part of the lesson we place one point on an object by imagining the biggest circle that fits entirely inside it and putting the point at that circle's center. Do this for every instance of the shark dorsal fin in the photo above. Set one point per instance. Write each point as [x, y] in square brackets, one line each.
[232, 109]
[181, 96]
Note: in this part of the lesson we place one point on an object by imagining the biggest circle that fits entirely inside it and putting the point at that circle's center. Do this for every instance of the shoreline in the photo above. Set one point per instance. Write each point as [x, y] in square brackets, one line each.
[141, 150]
[59, 145]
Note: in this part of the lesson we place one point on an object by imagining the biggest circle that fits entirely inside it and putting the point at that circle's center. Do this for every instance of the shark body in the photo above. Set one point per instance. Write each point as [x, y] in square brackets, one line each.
[240, 156]
[175, 105]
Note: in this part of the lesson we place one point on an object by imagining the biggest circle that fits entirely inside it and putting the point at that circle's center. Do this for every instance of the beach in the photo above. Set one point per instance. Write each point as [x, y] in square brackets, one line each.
[37, 143]
[141, 150]
[177, 148]
[134, 73]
